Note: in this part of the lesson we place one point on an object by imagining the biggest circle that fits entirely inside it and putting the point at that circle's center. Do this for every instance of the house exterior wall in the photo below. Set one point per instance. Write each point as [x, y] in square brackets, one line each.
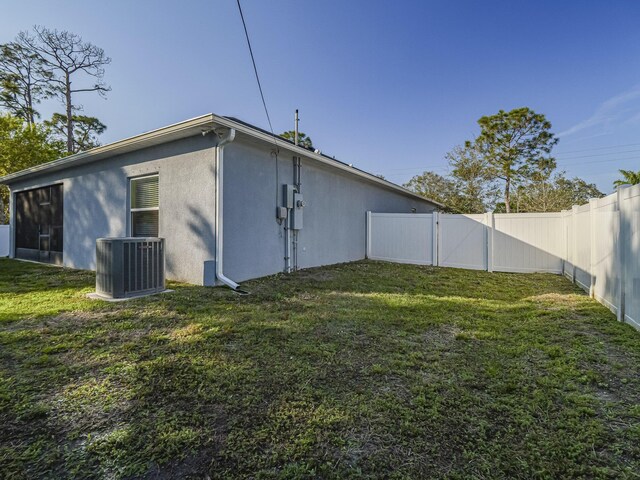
[96, 203]
[334, 228]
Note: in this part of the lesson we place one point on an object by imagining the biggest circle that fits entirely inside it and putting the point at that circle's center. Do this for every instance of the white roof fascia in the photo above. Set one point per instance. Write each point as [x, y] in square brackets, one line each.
[192, 127]
[147, 139]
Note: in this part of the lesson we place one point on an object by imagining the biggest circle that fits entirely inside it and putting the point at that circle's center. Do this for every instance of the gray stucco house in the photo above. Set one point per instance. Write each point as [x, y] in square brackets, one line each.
[215, 189]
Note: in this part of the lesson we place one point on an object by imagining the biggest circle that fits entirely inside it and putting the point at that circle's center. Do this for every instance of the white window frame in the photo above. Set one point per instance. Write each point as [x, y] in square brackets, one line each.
[148, 209]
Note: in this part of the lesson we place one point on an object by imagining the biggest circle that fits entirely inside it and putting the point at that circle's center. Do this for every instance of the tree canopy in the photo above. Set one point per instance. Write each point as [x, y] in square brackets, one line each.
[467, 189]
[85, 130]
[25, 80]
[551, 194]
[629, 177]
[36, 66]
[512, 154]
[514, 144]
[475, 189]
[23, 146]
[303, 140]
[49, 63]
[434, 187]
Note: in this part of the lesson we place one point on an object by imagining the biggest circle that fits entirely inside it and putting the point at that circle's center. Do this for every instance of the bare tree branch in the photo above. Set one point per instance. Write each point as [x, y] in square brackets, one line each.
[67, 55]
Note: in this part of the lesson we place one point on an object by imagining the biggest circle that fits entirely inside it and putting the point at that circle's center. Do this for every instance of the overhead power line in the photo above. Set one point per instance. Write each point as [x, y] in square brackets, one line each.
[606, 154]
[601, 161]
[616, 156]
[417, 171]
[264, 103]
[598, 148]
[255, 70]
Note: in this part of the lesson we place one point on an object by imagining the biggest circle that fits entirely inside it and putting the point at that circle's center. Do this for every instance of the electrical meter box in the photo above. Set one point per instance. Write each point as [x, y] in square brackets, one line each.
[288, 193]
[282, 213]
[296, 213]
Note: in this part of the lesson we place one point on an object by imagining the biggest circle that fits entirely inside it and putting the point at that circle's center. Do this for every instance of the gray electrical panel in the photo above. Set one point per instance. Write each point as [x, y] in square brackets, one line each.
[289, 192]
[293, 201]
[296, 213]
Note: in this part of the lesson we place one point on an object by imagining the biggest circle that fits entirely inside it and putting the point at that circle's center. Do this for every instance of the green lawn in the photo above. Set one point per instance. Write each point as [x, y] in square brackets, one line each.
[361, 370]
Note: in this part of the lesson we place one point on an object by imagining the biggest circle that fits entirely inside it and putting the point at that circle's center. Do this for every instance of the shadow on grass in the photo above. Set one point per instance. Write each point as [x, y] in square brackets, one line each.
[364, 368]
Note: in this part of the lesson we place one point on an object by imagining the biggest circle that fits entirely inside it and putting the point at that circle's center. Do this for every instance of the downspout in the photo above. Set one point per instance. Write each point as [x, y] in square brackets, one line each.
[219, 223]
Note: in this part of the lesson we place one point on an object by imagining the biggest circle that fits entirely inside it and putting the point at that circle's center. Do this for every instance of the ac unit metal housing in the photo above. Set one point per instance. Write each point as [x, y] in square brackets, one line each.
[129, 266]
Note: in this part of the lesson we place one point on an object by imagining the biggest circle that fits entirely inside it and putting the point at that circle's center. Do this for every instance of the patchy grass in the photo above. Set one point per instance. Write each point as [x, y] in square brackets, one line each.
[359, 370]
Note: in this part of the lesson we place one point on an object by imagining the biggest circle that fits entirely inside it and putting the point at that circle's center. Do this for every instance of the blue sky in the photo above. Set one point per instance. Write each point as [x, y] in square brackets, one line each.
[387, 86]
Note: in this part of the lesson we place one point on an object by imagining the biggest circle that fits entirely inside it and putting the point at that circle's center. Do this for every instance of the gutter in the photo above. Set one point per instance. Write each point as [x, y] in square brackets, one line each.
[219, 221]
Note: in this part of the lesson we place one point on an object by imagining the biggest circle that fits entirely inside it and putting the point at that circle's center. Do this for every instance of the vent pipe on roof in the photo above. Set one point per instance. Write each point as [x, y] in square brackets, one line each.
[219, 221]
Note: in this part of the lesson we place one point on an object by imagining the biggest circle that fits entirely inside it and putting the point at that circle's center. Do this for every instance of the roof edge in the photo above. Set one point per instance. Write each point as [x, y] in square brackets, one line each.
[157, 136]
[141, 140]
[284, 143]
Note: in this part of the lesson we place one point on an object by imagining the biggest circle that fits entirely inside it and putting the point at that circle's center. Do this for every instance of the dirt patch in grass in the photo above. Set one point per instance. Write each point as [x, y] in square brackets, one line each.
[316, 275]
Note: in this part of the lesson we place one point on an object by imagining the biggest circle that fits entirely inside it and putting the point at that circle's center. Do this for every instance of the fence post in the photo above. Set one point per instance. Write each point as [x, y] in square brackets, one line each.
[565, 243]
[592, 241]
[491, 223]
[621, 260]
[368, 240]
[574, 247]
[434, 244]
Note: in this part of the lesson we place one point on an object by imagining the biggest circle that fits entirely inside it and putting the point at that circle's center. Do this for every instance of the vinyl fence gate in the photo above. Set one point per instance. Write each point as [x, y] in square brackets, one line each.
[531, 242]
[596, 245]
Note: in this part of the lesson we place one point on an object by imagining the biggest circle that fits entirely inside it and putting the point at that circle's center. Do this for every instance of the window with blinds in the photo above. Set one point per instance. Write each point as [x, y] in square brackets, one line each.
[144, 206]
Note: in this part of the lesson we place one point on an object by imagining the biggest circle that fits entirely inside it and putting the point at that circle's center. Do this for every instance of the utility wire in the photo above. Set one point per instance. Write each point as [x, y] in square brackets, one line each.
[255, 70]
[266, 111]
[607, 154]
[394, 173]
[598, 148]
[561, 160]
[601, 161]
[264, 103]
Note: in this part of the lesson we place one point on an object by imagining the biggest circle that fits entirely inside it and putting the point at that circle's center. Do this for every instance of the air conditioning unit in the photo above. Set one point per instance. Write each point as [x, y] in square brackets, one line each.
[129, 267]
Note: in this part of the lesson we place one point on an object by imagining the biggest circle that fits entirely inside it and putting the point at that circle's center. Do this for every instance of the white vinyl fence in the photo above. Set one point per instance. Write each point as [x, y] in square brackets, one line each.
[4, 240]
[527, 242]
[596, 245]
[501, 242]
[603, 251]
[414, 230]
[461, 241]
